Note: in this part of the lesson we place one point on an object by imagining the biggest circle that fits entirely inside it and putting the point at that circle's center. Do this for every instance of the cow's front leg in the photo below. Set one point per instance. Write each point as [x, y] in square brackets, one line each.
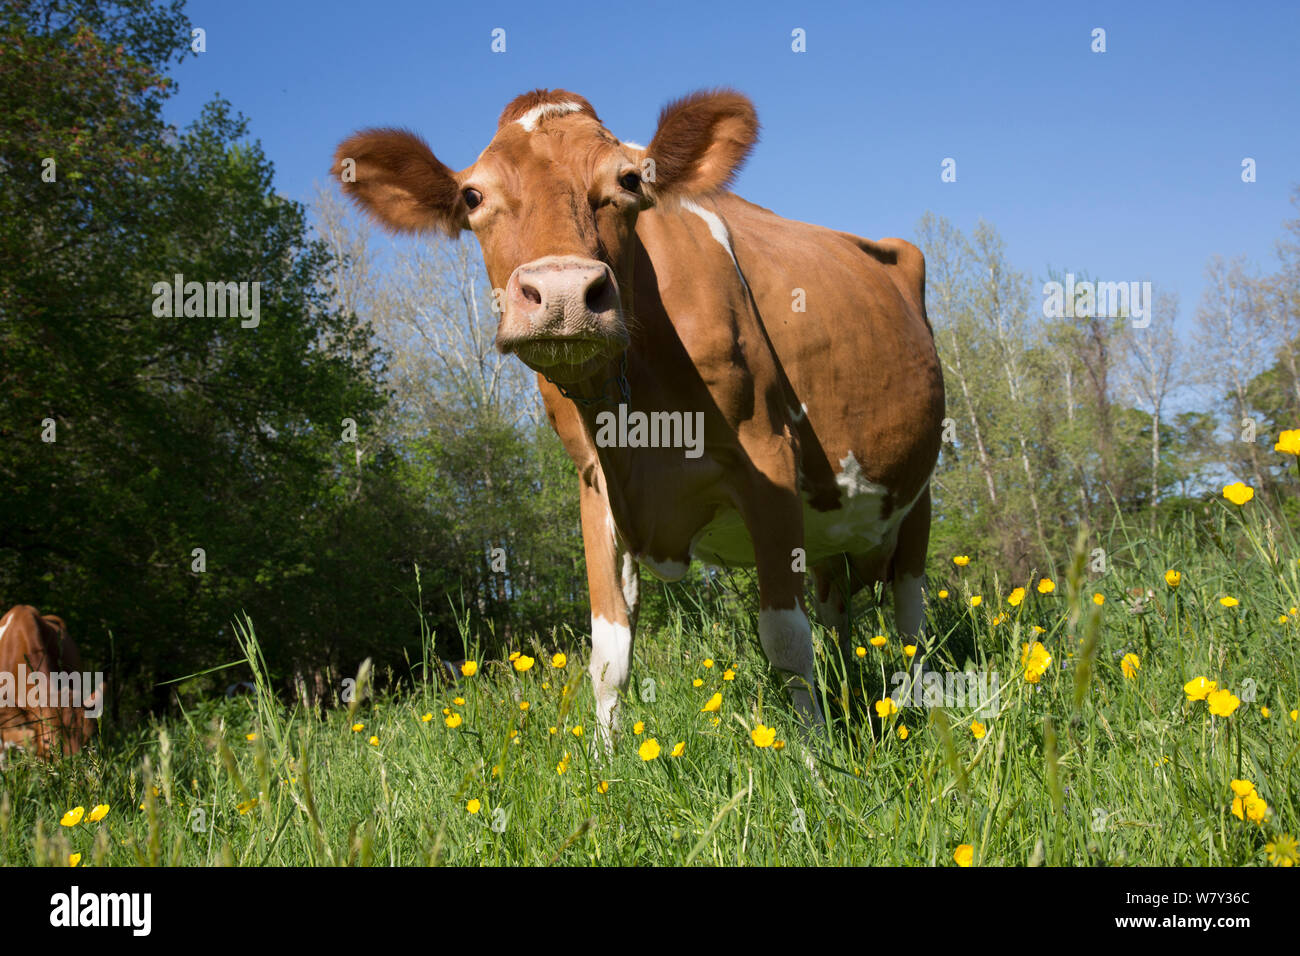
[774, 518]
[613, 584]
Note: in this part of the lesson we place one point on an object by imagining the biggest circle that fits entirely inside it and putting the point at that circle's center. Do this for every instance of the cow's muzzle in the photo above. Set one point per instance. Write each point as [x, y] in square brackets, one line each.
[563, 316]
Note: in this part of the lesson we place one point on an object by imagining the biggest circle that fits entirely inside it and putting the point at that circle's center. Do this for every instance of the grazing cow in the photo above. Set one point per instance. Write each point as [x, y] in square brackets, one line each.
[41, 702]
[793, 366]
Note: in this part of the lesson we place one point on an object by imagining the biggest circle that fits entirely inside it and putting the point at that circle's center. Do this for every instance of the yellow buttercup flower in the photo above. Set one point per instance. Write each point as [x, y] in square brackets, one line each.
[1222, 702]
[902, 733]
[453, 720]
[602, 787]
[943, 593]
[1238, 493]
[357, 728]
[514, 656]
[976, 600]
[72, 817]
[1288, 442]
[98, 813]
[1229, 601]
[474, 806]
[678, 749]
[563, 765]
[524, 705]
[523, 662]
[728, 674]
[648, 750]
[860, 651]
[74, 859]
[559, 660]
[1263, 712]
[427, 717]
[1282, 850]
[1242, 788]
[458, 701]
[250, 737]
[879, 641]
[469, 668]
[886, 707]
[374, 741]
[909, 650]
[708, 662]
[577, 731]
[638, 728]
[1099, 598]
[1036, 660]
[978, 729]
[698, 682]
[961, 560]
[1130, 665]
[1039, 630]
[763, 736]
[964, 855]
[1016, 597]
[1046, 586]
[246, 805]
[713, 704]
[1173, 578]
[1198, 688]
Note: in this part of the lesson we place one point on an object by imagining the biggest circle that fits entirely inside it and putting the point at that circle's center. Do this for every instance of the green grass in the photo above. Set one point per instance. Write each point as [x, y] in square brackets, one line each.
[1084, 767]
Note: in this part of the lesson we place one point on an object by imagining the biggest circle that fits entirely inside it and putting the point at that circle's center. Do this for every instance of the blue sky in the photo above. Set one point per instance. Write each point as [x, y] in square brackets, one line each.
[1125, 164]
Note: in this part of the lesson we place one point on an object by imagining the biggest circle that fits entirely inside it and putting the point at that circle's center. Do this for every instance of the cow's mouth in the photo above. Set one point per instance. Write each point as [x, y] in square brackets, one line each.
[567, 359]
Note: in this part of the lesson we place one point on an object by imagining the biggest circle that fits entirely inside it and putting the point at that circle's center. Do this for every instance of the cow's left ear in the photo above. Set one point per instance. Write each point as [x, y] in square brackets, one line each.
[701, 142]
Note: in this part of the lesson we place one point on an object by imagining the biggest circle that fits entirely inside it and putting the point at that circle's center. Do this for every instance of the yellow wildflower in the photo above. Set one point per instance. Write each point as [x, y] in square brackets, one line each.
[1238, 493]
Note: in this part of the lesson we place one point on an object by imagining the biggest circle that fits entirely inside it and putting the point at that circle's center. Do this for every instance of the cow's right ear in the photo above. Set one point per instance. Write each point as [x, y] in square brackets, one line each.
[394, 176]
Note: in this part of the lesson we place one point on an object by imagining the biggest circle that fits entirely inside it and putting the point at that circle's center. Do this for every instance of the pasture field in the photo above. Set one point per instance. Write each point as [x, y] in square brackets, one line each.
[1083, 758]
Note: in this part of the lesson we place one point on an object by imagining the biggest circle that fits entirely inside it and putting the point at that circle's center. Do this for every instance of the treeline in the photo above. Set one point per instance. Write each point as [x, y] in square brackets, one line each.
[1058, 422]
[161, 474]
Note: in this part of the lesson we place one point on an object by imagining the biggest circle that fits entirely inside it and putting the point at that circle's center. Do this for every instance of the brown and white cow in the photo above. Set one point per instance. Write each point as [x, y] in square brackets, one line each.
[629, 276]
[42, 707]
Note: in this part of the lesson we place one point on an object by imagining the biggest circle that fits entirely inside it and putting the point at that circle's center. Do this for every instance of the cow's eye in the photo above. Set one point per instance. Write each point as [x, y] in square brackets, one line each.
[631, 182]
[472, 198]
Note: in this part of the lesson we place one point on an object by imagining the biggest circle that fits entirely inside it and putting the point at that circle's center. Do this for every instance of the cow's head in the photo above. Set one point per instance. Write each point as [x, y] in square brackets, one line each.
[553, 201]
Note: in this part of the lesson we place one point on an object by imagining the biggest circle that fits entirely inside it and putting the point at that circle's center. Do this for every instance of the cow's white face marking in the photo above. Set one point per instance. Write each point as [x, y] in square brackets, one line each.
[717, 229]
[535, 115]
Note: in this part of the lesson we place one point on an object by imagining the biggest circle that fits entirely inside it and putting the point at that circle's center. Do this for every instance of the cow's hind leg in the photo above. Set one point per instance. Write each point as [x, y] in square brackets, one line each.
[909, 573]
[775, 523]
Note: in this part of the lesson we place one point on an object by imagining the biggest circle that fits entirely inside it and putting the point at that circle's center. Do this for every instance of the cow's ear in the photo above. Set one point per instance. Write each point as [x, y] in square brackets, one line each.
[702, 141]
[394, 176]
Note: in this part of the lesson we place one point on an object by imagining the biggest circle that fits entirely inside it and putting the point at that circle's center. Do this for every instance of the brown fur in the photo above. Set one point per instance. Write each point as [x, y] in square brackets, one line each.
[697, 337]
[41, 643]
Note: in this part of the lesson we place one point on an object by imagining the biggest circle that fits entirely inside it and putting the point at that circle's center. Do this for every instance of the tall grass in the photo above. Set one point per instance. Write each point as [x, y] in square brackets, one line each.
[1082, 766]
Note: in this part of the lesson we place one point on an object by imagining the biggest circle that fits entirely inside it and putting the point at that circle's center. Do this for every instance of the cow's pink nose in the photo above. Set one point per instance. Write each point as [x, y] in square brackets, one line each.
[561, 296]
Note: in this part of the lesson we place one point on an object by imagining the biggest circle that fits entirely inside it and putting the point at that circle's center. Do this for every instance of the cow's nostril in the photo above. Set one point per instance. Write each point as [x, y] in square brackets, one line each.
[596, 292]
[530, 293]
